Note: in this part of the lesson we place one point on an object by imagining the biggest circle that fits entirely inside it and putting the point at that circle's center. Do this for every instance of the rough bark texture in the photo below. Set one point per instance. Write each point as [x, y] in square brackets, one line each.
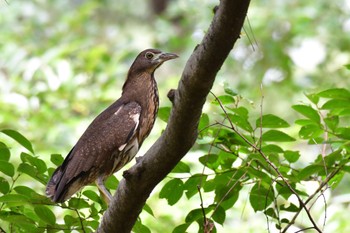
[181, 132]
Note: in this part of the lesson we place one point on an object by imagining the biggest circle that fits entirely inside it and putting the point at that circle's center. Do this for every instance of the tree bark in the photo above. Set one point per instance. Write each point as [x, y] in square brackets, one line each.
[181, 132]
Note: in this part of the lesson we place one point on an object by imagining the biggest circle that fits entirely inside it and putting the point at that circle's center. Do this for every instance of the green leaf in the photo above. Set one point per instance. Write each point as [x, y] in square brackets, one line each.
[260, 198]
[336, 103]
[314, 98]
[224, 99]
[181, 167]
[57, 159]
[211, 161]
[19, 138]
[343, 132]
[148, 209]
[39, 164]
[308, 112]
[272, 148]
[240, 122]
[290, 208]
[14, 198]
[140, 228]
[4, 185]
[172, 191]
[45, 214]
[347, 66]
[292, 156]
[112, 183]
[7, 168]
[335, 93]
[203, 122]
[271, 121]
[205, 140]
[92, 195]
[310, 131]
[4, 152]
[19, 220]
[164, 113]
[219, 215]
[332, 122]
[191, 184]
[78, 203]
[194, 215]
[181, 228]
[276, 136]
[303, 122]
[228, 90]
[241, 111]
[310, 170]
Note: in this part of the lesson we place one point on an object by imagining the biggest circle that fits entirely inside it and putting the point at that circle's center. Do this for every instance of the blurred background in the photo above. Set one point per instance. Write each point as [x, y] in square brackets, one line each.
[63, 62]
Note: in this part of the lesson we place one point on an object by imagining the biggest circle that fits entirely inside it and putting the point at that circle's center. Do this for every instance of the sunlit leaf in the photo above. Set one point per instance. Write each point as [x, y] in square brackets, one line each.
[191, 184]
[292, 156]
[194, 215]
[164, 113]
[228, 90]
[45, 214]
[211, 161]
[172, 191]
[241, 122]
[219, 215]
[335, 93]
[7, 168]
[91, 195]
[181, 167]
[181, 228]
[4, 185]
[19, 138]
[148, 209]
[336, 103]
[16, 198]
[4, 152]
[310, 131]
[140, 228]
[310, 170]
[271, 121]
[224, 100]
[314, 98]
[260, 198]
[203, 122]
[308, 111]
[276, 136]
[56, 159]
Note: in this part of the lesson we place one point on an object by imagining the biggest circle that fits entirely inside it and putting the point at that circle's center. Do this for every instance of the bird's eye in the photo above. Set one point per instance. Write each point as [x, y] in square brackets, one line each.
[149, 55]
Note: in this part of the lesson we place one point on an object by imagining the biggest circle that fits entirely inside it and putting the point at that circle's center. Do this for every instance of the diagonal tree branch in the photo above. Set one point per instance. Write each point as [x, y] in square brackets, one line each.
[181, 132]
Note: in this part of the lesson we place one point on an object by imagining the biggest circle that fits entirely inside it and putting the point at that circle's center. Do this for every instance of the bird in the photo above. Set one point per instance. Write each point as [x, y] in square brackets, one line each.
[114, 137]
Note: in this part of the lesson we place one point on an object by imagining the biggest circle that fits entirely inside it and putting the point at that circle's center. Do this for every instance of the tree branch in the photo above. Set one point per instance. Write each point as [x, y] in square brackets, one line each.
[181, 132]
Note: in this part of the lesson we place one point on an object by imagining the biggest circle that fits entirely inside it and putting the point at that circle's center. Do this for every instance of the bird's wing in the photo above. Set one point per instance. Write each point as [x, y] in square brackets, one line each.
[105, 137]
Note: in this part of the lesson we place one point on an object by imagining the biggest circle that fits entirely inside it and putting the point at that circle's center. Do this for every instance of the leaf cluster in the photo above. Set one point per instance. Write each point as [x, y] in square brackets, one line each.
[258, 154]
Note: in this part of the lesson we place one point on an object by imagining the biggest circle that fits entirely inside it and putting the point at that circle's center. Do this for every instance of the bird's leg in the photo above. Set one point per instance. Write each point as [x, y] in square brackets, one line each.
[106, 195]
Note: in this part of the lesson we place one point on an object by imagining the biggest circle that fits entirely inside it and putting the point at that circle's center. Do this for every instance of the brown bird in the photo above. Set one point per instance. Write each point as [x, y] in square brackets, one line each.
[115, 136]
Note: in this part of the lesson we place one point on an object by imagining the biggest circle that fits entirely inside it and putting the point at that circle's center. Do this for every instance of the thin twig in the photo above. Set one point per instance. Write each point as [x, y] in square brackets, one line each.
[273, 167]
[231, 188]
[324, 183]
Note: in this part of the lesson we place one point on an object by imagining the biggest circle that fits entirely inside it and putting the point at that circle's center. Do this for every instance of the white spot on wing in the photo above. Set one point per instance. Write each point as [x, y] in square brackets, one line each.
[122, 147]
[120, 108]
[136, 119]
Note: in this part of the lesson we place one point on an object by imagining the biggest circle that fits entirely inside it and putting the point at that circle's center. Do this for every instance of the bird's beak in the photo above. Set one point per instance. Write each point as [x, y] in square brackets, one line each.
[167, 56]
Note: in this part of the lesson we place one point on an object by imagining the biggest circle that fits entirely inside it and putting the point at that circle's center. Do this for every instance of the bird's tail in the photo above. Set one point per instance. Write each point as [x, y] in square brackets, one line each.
[51, 187]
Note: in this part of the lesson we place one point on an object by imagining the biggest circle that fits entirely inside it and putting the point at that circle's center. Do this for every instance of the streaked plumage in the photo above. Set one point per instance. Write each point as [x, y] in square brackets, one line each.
[114, 137]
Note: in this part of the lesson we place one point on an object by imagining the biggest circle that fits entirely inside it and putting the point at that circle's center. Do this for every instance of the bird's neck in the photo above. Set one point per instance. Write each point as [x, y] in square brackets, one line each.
[142, 88]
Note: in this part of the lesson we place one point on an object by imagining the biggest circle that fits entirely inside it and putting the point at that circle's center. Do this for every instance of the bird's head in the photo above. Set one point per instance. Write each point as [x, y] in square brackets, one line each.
[149, 60]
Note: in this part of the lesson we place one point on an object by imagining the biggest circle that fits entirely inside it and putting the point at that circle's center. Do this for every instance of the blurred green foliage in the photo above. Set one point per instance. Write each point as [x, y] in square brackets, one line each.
[62, 62]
